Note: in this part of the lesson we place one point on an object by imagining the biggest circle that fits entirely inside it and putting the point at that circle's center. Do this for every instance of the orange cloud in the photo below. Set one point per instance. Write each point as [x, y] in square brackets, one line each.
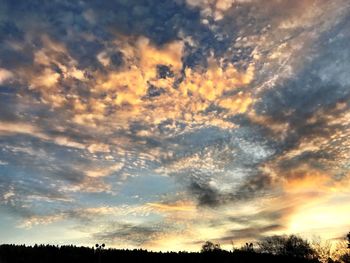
[127, 89]
[5, 75]
[308, 199]
[103, 171]
[305, 179]
[180, 206]
[120, 97]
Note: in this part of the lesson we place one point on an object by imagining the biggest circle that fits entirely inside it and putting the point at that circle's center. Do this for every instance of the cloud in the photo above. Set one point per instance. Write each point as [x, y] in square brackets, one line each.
[215, 9]
[8, 128]
[233, 102]
[32, 221]
[15, 128]
[135, 234]
[5, 75]
[86, 216]
[250, 233]
[180, 206]
[101, 172]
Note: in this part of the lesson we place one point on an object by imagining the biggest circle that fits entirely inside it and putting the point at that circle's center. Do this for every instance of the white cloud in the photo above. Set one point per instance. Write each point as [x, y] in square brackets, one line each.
[3, 163]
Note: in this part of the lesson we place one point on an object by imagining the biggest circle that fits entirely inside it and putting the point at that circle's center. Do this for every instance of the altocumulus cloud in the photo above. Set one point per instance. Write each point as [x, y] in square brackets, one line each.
[135, 116]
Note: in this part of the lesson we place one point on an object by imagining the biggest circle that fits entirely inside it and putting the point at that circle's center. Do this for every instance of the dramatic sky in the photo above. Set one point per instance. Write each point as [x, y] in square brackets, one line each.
[165, 123]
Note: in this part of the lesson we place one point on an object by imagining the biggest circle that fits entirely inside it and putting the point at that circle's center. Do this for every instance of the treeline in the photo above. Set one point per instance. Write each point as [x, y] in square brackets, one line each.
[275, 249]
[70, 254]
[294, 247]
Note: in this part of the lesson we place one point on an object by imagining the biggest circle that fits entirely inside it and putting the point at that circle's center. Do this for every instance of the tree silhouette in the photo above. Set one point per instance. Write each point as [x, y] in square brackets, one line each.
[209, 246]
[249, 247]
[99, 247]
[292, 245]
[348, 239]
[99, 250]
[59, 254]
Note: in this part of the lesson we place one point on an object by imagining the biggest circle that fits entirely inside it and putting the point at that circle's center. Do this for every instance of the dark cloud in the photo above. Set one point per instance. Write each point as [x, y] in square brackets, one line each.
[249, 233]
[321, 83]
[133, 233]
[251, 187]
[237, 154]
[268, 215]
[315, 93]
[8, 105]
[206, 195]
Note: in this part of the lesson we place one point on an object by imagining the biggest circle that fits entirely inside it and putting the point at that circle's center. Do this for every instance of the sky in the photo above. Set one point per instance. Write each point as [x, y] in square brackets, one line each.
[163, 124]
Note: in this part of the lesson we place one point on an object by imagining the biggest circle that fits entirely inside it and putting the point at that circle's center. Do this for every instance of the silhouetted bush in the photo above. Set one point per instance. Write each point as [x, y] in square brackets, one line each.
[292, 246]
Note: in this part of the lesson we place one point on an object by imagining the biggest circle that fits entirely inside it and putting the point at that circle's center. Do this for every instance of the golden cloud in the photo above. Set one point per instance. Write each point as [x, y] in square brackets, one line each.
[103, 171]
[5, 75]
[126, 90]
[180, 206]
[11, 128]
[214, 8]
